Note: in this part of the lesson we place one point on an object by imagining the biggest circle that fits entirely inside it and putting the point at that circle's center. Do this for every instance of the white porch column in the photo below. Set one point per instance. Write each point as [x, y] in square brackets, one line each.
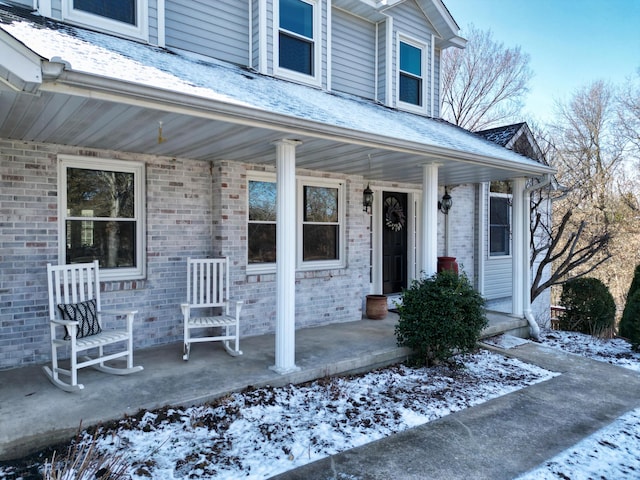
[286, 256]
[519, 253]
[429, 237]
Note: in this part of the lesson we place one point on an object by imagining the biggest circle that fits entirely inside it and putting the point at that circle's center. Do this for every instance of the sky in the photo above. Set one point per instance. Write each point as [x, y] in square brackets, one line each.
[572, 43]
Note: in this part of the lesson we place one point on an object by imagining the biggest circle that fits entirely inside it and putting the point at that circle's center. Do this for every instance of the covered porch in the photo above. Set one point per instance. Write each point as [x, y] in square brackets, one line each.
[52, 415]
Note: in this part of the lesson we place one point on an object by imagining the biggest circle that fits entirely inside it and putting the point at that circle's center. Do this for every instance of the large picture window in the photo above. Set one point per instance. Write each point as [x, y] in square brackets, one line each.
[126, 17]
[297, 42]
[101, 212]
[499, 219]
[320, 230]
[411, 72]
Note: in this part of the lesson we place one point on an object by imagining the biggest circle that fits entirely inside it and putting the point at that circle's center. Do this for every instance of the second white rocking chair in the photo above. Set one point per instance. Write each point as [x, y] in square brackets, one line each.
[207, 305]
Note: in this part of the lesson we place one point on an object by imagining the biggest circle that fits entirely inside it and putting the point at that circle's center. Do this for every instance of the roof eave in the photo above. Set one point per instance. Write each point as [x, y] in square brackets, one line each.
[97, 87]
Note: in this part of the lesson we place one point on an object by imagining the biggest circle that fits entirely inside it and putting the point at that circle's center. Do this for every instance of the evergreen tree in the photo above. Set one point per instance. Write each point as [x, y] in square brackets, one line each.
[630, 323]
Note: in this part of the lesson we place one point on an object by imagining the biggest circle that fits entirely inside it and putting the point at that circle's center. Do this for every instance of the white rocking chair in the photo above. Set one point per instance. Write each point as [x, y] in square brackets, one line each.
[208, 289]
[75, 318]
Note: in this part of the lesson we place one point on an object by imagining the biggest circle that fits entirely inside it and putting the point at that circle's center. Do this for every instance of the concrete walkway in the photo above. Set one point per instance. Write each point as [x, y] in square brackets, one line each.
[499, 439]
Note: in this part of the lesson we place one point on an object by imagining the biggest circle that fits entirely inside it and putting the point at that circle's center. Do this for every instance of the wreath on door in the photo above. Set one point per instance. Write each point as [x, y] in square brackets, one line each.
[394, 217]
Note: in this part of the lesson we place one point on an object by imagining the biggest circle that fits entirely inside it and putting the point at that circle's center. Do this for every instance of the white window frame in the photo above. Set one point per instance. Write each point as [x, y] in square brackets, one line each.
[93, 163]
[314, 79]
[424, 58]
[301, 182]
[509, 198]
[340, 262]
[139, 31]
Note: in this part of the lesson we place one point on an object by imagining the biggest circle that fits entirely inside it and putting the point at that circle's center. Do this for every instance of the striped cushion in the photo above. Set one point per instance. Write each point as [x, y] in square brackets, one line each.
[85, 313]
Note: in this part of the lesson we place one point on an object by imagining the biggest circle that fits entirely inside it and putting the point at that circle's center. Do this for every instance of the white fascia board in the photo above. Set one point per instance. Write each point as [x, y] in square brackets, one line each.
[20, 67]
[102, 88]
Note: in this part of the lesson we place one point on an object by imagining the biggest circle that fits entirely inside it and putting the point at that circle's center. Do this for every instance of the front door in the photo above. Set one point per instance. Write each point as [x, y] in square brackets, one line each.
[394, 242]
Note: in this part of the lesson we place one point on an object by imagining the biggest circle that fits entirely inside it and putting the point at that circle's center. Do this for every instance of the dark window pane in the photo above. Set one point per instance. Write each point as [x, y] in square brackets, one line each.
[499, 213]
[410, 59]
[99, 193]
[296, 54]
[410, 90]
[297, 17]
[320, 204]
[262, 201]
[120, 10]
[112, 243]
[262, 243]
[499, 230]
[320, 242]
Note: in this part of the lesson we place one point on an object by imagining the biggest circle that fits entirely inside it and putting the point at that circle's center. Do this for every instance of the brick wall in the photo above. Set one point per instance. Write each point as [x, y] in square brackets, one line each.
[192, 209]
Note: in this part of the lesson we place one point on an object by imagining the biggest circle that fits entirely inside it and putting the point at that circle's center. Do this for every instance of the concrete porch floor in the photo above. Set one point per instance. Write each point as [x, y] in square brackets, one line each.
[34, 413]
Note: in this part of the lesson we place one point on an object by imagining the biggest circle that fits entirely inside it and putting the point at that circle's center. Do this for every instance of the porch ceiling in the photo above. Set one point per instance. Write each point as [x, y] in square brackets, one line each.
[65, 119]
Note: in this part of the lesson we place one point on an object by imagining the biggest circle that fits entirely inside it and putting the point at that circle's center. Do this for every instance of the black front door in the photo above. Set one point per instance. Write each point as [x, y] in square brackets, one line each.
[394, 242]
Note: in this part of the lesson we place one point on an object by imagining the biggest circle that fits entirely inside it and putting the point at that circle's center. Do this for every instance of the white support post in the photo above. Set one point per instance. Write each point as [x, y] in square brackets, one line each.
[526, 242]
[286, 256]
[429, 232]
[517, 245]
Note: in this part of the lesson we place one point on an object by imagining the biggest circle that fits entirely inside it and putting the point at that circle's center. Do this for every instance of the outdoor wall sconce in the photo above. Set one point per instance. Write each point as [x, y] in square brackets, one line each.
[367, 199]
[445, 204]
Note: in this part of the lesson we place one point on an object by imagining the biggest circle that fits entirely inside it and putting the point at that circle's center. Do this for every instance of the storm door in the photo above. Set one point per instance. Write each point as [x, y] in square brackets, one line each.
[394, 242]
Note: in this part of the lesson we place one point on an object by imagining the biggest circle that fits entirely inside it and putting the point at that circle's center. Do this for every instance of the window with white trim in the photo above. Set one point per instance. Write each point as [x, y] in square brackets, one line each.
[125, 17]
[321, 219]
[499, 219]
[412, 63]
[262, 221]
[296, 43]
[101, 212]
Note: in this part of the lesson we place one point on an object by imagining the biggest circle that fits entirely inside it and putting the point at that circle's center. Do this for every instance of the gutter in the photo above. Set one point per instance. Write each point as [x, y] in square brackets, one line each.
[528, 313]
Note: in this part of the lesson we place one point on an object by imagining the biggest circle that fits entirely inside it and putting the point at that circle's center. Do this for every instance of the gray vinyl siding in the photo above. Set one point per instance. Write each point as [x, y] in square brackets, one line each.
[353, 55]
[217, 29]
[436, 84]
[255, 34]
[382, 62]
[153, 22]
[498, 279]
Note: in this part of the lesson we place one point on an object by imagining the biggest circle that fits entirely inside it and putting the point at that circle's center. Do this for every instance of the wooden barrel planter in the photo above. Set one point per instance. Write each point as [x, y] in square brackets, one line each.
[447, 263]
[376, 307]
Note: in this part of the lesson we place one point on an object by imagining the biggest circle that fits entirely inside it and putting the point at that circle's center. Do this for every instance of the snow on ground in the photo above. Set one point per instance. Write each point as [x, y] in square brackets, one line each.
[262, 432]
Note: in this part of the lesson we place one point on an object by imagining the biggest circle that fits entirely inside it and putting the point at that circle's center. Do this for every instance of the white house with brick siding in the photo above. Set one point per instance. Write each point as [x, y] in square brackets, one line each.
[156, 130]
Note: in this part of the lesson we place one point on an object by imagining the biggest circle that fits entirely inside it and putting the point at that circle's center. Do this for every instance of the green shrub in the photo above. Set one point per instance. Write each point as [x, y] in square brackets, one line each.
[630, 321]
[439, 316]
[590, 307]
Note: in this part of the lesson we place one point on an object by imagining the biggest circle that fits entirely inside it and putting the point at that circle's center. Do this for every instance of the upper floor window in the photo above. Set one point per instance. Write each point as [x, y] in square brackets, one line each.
[101, 215]
[321, 219]
[499, 219]
[297, 39]
[411, 74]
[126, 17]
